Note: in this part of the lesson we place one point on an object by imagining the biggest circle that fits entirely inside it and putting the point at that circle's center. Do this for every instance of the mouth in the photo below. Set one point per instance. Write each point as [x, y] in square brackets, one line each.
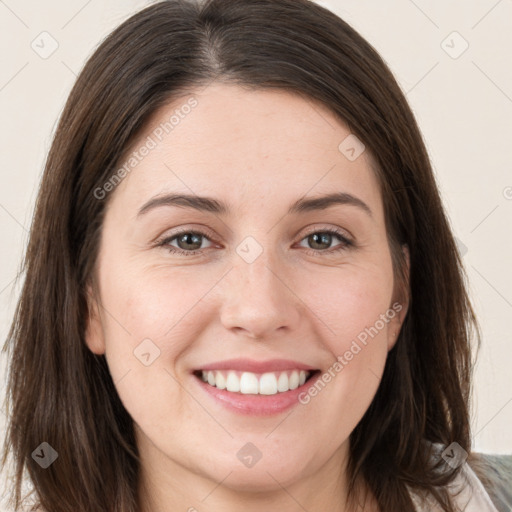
[250, 383]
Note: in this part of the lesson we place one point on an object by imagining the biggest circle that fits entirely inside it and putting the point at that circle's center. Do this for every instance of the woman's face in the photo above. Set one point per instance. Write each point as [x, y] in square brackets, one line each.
[252, 278]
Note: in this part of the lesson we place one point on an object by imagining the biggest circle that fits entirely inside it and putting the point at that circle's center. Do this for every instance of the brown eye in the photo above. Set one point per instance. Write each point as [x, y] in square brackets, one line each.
[319, 241]
[187, 242]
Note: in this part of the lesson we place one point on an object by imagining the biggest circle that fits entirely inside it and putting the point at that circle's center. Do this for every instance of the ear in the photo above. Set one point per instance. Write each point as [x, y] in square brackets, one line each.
[94, 336]
[400, 303]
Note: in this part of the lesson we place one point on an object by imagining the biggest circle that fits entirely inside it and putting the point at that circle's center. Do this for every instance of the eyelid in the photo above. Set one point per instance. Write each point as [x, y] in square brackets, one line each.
[313, 228]
[191, 228]
[327, 227]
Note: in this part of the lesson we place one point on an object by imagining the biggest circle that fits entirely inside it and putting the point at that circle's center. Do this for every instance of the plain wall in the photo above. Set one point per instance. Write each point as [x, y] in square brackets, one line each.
[461, 99]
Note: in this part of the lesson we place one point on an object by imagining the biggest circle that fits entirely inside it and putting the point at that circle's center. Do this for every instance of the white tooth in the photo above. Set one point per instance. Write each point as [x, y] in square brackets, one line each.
[268, 384]
[220, 381]
[249, 383]
[294, 379]
[232, 382]
[282, 382]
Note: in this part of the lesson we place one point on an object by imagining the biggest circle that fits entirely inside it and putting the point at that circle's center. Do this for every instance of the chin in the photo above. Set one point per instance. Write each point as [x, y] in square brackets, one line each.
[267, 474]
[264, 479]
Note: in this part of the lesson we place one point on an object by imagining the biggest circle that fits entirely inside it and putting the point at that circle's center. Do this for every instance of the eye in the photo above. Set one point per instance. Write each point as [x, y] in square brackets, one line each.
[189, 242]
[324, 237]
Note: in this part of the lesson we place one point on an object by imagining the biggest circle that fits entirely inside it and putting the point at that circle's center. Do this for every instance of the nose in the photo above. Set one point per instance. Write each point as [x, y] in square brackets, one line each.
[258, 300]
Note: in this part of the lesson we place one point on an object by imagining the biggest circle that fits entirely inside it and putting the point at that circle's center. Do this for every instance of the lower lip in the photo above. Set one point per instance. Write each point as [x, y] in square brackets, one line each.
[257, 405]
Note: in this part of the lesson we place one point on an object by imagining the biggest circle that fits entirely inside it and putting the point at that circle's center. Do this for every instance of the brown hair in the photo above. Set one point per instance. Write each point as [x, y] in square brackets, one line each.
[61, 393]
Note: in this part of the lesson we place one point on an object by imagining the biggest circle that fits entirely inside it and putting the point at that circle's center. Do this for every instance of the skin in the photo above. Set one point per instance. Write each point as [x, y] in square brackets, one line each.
[258, 151]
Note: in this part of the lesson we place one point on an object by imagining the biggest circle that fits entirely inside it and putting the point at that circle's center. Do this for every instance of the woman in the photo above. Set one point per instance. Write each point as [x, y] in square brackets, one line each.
[186, 337]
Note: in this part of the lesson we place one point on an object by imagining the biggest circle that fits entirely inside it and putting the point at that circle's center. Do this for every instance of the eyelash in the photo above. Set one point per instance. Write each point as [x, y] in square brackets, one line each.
[346, 243]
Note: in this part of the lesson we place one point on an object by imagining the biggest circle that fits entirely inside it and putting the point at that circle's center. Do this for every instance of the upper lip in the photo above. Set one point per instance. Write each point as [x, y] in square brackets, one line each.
[250, 365]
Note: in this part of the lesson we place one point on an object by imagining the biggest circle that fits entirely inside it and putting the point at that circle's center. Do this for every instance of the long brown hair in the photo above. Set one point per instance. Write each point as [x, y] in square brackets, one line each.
[61, 393]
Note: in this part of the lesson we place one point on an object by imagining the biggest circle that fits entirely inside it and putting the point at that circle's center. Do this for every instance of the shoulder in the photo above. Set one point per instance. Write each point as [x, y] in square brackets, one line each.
[482, 484]
[495, 474]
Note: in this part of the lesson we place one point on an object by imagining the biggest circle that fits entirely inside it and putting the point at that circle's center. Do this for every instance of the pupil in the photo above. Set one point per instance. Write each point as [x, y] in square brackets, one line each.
[196, 239]
[324, 238]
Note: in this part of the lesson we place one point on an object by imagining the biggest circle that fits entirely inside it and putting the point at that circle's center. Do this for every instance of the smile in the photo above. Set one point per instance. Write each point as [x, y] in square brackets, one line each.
[254, 387]
[269, 383]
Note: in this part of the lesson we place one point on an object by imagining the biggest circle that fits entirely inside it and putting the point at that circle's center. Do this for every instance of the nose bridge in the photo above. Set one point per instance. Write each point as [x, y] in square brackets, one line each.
[256, 297]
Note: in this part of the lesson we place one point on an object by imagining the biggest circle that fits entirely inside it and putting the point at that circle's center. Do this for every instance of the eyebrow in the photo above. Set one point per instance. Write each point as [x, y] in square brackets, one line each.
[208, 204]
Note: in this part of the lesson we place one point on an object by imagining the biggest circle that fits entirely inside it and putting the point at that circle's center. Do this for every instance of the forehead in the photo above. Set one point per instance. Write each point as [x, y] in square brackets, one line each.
[248, 147]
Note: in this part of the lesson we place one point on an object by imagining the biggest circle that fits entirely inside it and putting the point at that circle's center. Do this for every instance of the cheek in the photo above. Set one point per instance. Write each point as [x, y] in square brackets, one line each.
[361, 323]
[352, 304]
[160, 305]
[151, 321]
[355, 311]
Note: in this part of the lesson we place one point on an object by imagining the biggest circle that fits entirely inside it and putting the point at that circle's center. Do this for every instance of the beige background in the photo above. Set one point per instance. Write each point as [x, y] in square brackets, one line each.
[462, 100]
